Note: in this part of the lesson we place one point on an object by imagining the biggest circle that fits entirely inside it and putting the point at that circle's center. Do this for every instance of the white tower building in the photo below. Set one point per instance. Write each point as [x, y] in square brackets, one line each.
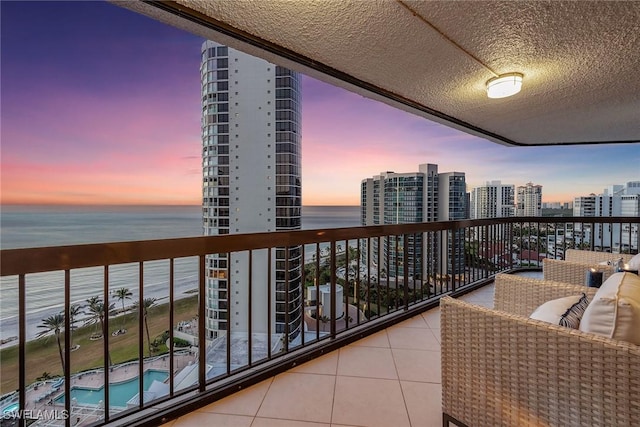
[251, 183]
[529, 201]
[492, 200]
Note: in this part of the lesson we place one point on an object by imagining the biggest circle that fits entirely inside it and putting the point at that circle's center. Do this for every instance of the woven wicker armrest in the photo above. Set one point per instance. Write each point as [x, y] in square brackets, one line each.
[501, 369]
[522, 295]
[571, 271]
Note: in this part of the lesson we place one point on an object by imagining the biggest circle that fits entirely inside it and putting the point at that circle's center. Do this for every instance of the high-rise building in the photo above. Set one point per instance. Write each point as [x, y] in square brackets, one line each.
[615, 200]
[585, 205]
[251, 183]
[423, 196]
[492, 200]
[529, 200]
[452, 206]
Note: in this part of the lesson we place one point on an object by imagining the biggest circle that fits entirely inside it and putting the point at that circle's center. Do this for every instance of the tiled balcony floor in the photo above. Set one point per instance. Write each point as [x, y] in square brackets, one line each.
[391, 378]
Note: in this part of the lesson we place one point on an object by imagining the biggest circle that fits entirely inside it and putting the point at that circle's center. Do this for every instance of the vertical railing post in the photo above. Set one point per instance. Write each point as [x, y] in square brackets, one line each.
[387, 276]
[67, 346]
[538, 243]
[379, 273]
[302, 264]
[396, 250]
[229, 309]
[405, 268]
[287, 330]
[619, 226]
[269, 301]
[611, 236]
[356, 285]
[142, 316]
[453, 252]
[345, 291]
[485, 272]
[510, 243]
[316, 280]
[202, 354]
[425, 271]
[250, 310]
[171, 323]
[417, 263]
[22, 339]
[333, 291]
[105, 345]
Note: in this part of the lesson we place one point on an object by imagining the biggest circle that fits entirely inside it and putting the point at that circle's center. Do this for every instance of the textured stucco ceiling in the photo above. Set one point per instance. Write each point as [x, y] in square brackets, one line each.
[580, 60]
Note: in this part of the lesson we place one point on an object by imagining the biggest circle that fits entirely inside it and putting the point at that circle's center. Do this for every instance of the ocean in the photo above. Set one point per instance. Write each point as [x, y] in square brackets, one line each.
[37, 226]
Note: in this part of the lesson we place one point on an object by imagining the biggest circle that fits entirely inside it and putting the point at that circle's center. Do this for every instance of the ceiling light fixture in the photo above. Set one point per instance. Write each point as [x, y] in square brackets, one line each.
[504, 85]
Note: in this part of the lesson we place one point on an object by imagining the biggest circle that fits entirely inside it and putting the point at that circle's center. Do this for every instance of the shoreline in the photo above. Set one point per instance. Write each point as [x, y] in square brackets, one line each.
[89, 354]
[32, 324]
[159, 290]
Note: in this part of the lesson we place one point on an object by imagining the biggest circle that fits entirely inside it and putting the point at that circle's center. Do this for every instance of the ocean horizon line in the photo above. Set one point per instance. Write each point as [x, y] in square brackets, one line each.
[132, 205]
[36, 226]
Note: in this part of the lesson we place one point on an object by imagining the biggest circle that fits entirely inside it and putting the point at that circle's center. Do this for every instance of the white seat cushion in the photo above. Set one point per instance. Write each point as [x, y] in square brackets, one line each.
[634, 263]
[615, 309]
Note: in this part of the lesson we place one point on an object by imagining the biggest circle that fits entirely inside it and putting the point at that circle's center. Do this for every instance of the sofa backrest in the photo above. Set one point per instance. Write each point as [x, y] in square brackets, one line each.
[509, 289]
[592, 257]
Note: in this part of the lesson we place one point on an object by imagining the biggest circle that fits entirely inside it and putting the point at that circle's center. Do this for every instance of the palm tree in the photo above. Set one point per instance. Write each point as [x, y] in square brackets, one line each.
[97, 315]
[74, 311]
[45, 376]
[122, 294]
[147, 303]
[53, 324]
[91, 302]
[97, 312]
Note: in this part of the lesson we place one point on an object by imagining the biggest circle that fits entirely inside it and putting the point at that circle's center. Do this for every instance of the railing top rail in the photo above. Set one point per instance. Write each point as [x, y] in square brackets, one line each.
[42, 259]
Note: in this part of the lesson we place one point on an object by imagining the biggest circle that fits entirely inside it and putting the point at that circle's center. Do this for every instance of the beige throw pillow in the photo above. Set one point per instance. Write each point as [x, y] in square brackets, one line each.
[615, 309]
[565, 311]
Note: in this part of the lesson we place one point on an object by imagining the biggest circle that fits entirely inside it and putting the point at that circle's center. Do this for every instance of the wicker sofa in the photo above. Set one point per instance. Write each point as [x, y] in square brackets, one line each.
[500, 368]
[574, 268]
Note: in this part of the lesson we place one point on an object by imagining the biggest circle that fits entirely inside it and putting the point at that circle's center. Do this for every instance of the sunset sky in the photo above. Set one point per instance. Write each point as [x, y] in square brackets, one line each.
[102, 106]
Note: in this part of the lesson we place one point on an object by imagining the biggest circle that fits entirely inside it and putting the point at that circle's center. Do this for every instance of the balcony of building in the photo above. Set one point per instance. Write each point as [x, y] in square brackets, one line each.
[389, 378]
[383, 362]
[377, 357]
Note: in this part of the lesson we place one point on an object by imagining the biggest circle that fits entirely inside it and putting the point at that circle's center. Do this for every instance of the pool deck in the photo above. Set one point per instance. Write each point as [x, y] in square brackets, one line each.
[41, 395]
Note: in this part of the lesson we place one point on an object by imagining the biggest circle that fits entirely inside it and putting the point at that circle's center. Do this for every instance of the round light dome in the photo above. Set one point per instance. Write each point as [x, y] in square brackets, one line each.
[504, 85]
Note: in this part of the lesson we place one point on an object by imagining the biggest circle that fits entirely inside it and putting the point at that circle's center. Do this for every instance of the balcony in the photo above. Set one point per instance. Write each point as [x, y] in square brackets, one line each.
[369, 344]
[391, 377]
[392, 294]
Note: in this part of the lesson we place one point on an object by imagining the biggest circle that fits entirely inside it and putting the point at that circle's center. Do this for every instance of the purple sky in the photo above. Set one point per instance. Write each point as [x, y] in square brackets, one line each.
[101, 105]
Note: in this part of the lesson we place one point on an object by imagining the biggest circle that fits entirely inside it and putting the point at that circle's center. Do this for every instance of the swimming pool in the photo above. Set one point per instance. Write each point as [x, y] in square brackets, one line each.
[11, 408]
[119, 393]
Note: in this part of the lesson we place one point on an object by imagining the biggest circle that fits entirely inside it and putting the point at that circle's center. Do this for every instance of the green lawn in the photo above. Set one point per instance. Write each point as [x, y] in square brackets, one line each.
[43, 356]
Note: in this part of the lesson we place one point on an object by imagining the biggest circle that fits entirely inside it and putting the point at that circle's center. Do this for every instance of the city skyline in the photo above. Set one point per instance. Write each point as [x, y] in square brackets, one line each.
[91, 115]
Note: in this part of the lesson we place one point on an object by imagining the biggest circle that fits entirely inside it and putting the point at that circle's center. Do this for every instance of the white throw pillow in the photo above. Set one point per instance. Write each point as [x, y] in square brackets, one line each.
[615, 309]
[565, 311]
[634, 263]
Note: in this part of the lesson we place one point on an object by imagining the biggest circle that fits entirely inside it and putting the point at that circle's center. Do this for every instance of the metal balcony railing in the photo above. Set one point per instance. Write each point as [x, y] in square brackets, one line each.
[265, 303]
